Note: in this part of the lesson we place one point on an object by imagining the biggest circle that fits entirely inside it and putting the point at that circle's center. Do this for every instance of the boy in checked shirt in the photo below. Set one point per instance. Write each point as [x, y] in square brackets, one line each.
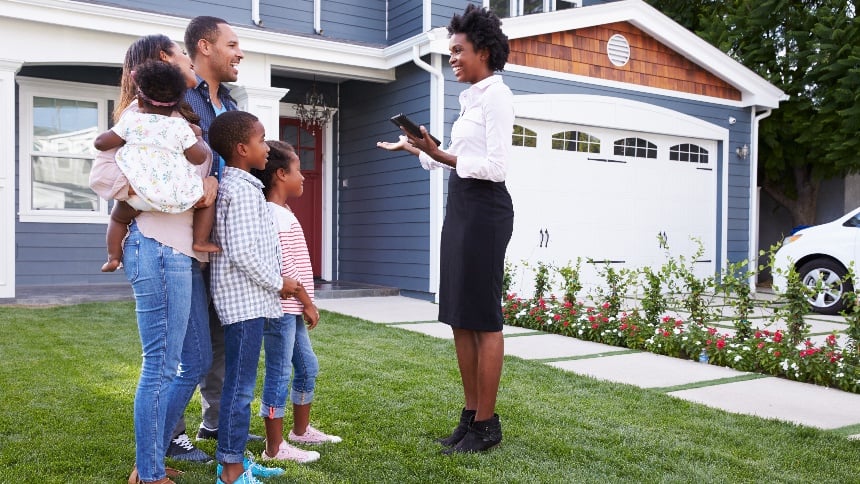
[246, 284]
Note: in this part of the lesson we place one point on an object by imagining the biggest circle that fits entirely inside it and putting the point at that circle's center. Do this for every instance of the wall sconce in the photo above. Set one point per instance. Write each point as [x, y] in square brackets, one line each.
[743, 151]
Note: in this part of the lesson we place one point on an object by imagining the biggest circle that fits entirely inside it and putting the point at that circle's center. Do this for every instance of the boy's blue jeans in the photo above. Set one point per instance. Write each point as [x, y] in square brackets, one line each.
[288, 349]
[242, 343]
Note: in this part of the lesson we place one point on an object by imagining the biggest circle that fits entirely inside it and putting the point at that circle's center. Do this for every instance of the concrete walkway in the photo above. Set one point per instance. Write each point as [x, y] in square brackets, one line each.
[714, 386]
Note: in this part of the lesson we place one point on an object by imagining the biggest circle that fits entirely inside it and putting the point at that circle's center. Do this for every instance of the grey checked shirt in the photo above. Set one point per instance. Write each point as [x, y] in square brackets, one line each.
[246, 274]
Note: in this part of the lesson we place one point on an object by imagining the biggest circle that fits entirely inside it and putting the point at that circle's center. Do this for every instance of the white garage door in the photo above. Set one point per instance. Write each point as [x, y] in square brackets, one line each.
[605, 195]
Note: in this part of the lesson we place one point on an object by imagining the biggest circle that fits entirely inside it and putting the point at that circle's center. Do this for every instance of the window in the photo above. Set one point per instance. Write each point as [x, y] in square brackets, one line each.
[58, 122]
[524, 137]
[636, 147]
[575, 141]
[688, 152]
[515, 8]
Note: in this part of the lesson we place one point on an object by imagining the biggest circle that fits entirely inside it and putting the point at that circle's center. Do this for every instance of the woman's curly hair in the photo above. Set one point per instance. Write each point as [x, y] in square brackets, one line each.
[484, 30]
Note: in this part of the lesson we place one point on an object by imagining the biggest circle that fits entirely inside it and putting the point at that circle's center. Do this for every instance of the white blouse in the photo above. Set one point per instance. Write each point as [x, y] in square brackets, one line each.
[481, 136]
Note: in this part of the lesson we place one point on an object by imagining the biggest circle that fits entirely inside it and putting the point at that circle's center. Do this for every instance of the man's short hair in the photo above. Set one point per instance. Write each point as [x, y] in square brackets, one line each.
[202, 27]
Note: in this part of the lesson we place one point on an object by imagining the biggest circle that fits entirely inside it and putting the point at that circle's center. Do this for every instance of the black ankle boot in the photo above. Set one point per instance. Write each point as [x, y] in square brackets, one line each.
[466, 417]
[483, 435]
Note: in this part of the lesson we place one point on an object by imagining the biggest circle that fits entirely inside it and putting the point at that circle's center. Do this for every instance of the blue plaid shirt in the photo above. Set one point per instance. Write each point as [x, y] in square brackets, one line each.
[201, 103]
[246, 274]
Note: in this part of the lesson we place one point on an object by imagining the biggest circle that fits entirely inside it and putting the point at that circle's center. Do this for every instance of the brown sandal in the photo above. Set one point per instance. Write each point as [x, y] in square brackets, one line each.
[134, 478]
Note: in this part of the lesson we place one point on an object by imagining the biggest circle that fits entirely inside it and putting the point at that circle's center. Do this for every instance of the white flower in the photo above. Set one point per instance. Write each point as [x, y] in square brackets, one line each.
[677, 330]
[738, 358]
[784, 365]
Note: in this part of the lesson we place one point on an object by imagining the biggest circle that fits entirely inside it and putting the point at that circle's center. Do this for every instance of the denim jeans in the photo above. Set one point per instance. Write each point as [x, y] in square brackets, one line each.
[196, 355]
[161, 280]
[242, 342]
[288, 349]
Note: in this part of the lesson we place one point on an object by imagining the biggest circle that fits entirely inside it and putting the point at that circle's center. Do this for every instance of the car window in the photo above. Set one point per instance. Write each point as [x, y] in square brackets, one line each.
[853, 221]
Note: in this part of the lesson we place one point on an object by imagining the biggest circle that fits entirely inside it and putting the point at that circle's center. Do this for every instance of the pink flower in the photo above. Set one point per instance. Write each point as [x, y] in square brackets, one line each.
[595, 326]
[777, 337]
[721, 343]
[591, 318]
[760, 345]
[776, 354]
[831, 340]
[568, 304]
[758, 334]
[557, 317]
[605, 305]
[623, 327]
[712, 331]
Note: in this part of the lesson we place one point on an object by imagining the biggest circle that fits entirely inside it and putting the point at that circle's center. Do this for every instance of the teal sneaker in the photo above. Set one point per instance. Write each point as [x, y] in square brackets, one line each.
[245, 478]
[256, 470]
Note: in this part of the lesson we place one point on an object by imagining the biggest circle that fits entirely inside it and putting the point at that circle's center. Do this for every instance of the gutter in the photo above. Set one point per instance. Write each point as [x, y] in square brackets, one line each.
[754, 198]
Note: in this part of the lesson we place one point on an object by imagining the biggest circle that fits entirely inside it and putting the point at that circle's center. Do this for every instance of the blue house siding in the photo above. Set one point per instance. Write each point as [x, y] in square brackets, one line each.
[384, 215]
[358, 21]
[236, 13]
[297, 16]
[443, 10]
[405, 19]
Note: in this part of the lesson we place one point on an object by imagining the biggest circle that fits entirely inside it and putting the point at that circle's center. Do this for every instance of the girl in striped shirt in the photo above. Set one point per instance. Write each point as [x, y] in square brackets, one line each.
[287, 346]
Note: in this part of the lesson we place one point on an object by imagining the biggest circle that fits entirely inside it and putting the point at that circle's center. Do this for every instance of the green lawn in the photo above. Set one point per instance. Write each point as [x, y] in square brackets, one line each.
[67, 379]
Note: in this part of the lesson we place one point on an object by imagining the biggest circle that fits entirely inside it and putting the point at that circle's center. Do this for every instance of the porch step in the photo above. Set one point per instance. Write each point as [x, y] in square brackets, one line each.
[342, 289]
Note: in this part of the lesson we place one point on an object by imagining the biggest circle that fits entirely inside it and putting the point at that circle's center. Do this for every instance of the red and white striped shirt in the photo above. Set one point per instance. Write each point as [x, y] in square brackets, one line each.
[295, 258]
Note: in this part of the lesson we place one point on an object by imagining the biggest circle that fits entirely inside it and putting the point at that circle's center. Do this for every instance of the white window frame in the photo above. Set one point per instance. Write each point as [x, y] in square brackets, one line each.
[30, 88]
[516, 6]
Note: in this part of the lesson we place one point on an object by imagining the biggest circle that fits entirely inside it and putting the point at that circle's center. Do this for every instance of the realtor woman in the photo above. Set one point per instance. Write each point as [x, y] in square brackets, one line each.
[478, 220]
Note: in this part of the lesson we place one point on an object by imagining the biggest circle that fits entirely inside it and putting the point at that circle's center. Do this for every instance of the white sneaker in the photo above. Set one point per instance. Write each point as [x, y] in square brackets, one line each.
[288, 452]
[314, 436]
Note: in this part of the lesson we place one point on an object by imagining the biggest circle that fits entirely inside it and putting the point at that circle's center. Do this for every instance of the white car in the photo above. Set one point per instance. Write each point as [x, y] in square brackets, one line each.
[824, 252]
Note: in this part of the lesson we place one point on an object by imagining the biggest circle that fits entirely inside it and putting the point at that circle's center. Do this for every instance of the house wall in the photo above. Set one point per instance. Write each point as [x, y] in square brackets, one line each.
[443, 10]
[405, 19]
[48, 253]
[354, 20]
[383, 212]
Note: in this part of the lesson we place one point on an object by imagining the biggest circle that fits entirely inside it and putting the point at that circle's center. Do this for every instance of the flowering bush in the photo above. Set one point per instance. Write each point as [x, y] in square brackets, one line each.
[768, 352]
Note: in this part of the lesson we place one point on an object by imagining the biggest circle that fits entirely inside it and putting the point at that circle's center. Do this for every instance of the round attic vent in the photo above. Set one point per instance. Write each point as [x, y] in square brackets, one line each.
[618, 50]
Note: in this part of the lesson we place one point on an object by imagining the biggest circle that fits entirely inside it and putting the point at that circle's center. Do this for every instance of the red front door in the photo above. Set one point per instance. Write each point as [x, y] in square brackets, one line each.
[308, 207]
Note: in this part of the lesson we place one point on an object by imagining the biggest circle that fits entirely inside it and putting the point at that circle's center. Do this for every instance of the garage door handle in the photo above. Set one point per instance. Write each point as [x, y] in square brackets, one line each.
[544, 238]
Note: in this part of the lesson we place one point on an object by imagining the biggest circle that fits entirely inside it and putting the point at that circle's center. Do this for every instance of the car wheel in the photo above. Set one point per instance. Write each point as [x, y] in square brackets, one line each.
[829, 299]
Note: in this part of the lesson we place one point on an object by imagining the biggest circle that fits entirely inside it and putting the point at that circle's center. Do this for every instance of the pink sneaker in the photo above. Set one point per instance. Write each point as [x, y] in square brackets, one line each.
[288, 452]
[313, 436]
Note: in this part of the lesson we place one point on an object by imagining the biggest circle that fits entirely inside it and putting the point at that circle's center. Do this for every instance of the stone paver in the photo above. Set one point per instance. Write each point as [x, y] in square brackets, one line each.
[646, 370]
[781, 399]
[540, 346]
[388, 309]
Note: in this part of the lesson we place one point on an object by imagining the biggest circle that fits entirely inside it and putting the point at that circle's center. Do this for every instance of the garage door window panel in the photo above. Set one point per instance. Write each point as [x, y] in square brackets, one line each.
[578, 141]
[635, 147]
[524, 137]
[688, 152]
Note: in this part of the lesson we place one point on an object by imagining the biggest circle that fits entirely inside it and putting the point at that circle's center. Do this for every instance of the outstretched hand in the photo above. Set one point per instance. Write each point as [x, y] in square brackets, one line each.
[402, 143]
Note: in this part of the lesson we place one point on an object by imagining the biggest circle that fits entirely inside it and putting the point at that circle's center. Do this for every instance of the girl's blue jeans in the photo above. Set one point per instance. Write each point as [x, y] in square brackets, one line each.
[173, 327]
[288, 349]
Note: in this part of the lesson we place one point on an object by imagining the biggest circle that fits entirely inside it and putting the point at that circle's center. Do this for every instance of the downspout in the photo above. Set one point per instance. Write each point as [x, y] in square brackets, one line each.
[754, 199]
[317, 17]
[437, 109]
[255, 13]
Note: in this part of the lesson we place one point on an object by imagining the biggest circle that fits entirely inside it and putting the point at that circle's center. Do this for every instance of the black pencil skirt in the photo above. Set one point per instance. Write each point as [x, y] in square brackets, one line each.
[479, 220]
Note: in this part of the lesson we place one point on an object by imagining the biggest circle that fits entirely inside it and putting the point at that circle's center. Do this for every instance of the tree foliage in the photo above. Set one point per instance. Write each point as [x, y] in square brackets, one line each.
[811, 50]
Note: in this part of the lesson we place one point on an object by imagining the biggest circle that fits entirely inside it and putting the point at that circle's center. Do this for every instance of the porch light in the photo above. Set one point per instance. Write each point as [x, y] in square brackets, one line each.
[743, 151]
[313, 113]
